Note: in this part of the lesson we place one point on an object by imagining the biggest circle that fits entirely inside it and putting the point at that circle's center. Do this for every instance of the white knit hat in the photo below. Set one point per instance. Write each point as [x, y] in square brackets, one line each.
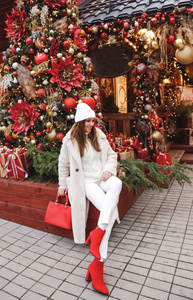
[83, 112]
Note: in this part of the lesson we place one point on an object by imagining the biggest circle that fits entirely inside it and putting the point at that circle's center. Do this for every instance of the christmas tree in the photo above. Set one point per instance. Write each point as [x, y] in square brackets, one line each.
[45, 73]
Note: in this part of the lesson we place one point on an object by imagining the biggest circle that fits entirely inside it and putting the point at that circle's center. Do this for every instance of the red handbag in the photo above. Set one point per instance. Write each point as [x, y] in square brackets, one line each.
[59, 214]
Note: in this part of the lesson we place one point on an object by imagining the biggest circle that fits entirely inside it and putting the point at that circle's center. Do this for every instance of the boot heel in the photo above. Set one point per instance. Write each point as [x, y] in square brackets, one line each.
[88, 241]
[88, 277]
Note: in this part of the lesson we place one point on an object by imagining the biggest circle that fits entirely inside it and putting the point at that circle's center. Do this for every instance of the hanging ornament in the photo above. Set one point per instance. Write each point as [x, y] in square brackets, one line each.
[180, 43]
[141, 68]
[155, 44]
[94, 30]
[40, 57]
[147, 107]
[70, 103]
[157, 136]
[171, 39]
[41, 93]
[59, 136]
[52, 135]
[185, 56]
[172, 21]
[39, 45]
[89, 101]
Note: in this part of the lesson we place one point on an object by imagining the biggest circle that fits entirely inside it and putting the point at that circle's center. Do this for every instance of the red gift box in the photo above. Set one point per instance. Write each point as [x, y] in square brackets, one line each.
[142, 153]
[162, 158]
[17, 163]
[136, 144]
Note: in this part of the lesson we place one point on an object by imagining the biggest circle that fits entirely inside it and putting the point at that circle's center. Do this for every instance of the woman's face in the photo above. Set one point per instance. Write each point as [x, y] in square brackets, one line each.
[89, 123]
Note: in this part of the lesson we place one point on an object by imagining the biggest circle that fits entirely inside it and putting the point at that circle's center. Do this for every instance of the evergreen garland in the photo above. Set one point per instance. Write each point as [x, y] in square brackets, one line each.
[138, 174]
[149, 175]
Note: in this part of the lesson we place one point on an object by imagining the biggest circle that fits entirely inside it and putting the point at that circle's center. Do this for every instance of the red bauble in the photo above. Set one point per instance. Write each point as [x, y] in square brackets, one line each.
[172, 21]
[13, 50]
[15, 73]
[40, 58]
[171, 39]
[8, 137]
[59, 136]
[38, 134]
[29, 41]
[43, 38]
[103, 36]
[153, 21]
[41, 93]
[66, 44]
[70, 103]
[89, 101]
[42, 106]
[141, 68]
[31, 51]
[139, 92]
[40, 147]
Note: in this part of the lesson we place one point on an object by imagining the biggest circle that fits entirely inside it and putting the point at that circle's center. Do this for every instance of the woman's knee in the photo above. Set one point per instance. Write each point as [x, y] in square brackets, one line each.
[116, 183]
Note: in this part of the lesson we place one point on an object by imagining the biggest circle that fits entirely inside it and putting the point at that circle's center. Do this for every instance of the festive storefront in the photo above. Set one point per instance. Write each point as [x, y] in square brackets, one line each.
[47, 70]
[150, 45]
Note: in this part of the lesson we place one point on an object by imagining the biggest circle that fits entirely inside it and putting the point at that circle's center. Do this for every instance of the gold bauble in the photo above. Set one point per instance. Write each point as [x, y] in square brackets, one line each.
[71, 51]
[33, 142]
[25, 139]
[185, 56]
[68, 12]
[33, 73]
[94, 30]
[49, 124]
[79, 55]
[14, 135]
[157, 136]
[179, 43]
[50, 113]
[52, 135]
[155, 44]
[55, 13]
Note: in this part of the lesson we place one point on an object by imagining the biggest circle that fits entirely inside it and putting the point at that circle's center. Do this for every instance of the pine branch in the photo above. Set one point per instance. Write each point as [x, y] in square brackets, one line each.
[150, 175]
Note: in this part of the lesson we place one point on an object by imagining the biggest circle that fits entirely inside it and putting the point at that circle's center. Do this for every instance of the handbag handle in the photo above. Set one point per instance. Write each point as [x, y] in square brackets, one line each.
[66, 202]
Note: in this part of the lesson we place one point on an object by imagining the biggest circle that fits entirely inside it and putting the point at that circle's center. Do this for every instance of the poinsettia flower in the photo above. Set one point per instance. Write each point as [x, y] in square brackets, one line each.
[16, 28]
[66, 73]
[79, 40]
[23, 115]
[55, 3]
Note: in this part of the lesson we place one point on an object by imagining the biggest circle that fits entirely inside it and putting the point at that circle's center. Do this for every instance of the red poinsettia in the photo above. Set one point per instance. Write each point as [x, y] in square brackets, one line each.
[23, 115]
[55, 3]
[66, 73]
[16, 28]
[79, 41]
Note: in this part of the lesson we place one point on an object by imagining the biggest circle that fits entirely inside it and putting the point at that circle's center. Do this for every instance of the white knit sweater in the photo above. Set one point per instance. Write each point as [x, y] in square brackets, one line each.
[91, 164]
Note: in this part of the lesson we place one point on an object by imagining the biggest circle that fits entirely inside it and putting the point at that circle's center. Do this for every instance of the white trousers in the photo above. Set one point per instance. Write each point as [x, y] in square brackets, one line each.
[104, 195]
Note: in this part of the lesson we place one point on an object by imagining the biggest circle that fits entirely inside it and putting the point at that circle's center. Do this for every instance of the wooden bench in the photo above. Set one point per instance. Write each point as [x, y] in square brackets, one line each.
[25, 202]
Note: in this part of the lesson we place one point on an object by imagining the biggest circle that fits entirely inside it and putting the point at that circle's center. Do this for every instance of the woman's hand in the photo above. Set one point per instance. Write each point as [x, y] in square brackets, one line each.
[106, 175]
[62, 191]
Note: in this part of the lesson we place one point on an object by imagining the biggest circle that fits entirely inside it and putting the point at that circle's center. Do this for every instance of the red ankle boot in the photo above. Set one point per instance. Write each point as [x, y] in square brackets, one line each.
[95, 273]
[94, 239]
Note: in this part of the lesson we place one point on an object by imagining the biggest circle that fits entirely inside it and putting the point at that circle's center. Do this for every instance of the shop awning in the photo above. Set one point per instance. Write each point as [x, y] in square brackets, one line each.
[97, 11]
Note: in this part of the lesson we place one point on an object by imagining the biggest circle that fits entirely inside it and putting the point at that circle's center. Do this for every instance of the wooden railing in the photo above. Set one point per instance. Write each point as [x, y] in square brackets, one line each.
[119, 123]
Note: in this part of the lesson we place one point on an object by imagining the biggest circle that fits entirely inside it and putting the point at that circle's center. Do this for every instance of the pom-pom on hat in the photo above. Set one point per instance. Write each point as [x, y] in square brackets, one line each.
[83, 112]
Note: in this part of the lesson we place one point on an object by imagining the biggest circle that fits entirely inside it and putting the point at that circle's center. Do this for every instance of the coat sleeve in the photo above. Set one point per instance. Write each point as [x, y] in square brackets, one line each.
[111, 163]
[63, 164]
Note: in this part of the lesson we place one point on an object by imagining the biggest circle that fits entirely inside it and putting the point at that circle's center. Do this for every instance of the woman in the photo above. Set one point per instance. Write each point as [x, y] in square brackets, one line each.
[87, 170]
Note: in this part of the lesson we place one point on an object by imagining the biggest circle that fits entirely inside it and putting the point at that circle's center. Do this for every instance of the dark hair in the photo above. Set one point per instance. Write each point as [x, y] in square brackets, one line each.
[78, 134]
